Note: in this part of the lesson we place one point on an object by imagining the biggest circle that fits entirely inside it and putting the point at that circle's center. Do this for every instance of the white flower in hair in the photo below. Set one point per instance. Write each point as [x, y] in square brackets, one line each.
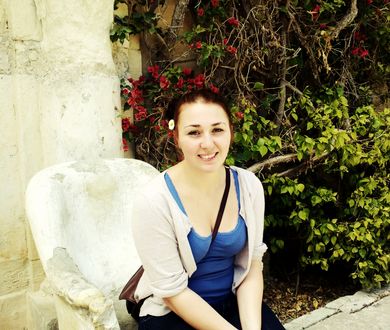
[171, 124]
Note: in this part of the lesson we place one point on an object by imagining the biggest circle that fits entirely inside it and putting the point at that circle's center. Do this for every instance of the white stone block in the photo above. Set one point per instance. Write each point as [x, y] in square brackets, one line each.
[13, 311]
[23, 21]
[41, 312]
[80, 118]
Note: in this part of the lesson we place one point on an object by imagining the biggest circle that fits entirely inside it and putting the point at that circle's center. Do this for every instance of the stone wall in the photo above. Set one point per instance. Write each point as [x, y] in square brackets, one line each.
[59, 101]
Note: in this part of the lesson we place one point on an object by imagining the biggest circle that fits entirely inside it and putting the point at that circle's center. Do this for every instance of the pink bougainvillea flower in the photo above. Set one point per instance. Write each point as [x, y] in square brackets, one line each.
[125, 124]
[125, 145]
[239, 115]
[187, 71]
[164, 83]
[355, 51]
[231, 49]
[363, 53]
[154, 70]
[199, 81]
[214, 3]
[180, 83]
[125, 91]
[200, 12]
[214, 89]
[140, 116]
[198, 45]
[233, 21]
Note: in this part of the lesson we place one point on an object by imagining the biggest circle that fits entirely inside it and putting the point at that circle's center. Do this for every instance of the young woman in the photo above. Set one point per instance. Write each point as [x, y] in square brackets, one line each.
[192, 281]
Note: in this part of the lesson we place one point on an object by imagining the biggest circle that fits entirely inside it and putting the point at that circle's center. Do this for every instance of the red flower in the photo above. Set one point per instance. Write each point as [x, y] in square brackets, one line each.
[323, 26]
[239, 115]
[315, 13]
[233, 21]
[214, 89]
[355, 51]
[198, 45]
[359, 36]
[125, 145]
[187, 71]
[164, 123]
[180, 83]
[225, 41]
[199, 81]
[231, 49]
[200, 11]
[140, 116]
[125, 91]
[369, 2]
[154, 70]
[125, 124]
[157, 128]
[214, 3]
[164, 83]
[363, 53]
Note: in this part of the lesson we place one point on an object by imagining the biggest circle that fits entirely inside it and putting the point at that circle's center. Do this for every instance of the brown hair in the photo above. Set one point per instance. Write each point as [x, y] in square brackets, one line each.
[199, 95]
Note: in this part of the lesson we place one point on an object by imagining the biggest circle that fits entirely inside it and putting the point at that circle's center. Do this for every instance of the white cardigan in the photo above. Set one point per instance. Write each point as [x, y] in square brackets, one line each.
[160, 232]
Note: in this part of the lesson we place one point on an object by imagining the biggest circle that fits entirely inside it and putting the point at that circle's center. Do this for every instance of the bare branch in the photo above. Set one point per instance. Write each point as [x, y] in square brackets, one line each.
[272, 161]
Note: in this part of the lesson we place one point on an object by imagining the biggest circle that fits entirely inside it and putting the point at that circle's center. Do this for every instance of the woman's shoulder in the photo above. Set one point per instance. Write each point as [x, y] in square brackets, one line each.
[154, 189]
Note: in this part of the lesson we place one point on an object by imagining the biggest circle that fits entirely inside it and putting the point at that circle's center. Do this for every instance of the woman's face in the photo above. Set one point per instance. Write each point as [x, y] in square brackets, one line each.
[203, 134]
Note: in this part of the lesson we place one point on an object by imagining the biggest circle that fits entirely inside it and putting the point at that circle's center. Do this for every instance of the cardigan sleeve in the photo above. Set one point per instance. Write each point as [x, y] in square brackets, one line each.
[259, 208]
[157, 247]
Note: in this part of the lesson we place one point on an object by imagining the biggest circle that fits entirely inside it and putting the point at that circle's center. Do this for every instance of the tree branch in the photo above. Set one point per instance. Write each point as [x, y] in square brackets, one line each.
[346, 20]
[272, 161]
[177, 20]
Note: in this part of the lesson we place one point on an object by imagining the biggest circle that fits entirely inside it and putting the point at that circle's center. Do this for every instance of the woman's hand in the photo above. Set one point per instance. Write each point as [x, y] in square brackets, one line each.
[196, 311]
[250, 297]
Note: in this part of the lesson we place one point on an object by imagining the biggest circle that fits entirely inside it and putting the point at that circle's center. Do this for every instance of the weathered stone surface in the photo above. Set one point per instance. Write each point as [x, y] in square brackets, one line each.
[41, 312]
[373, 317]
[78, 303]
[13, 311]
[94, 198]
[36, 274]
[353, 303]
[13, 275]
[310, 319]
[23, 20]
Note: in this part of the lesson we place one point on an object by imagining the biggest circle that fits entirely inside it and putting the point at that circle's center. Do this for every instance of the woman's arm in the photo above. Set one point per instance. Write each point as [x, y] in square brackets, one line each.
[250, 296]
[196, 311]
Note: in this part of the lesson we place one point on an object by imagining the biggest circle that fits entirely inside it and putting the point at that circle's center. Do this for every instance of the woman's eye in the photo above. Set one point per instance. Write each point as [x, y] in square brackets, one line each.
[193, 133]
[217, 130]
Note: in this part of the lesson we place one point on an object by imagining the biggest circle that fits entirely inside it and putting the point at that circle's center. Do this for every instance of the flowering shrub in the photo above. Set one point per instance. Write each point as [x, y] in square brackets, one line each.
[148, 98]
[308, 85]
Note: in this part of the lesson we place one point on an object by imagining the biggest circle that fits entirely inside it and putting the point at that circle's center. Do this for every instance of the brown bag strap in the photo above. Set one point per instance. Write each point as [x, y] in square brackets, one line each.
[223, 204]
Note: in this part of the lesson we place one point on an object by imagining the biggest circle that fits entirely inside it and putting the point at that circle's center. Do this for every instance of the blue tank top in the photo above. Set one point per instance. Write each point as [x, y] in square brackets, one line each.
[213, 277]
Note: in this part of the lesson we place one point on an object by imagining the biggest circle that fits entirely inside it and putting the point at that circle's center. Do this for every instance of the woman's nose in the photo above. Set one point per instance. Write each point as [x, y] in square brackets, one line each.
[207, 141]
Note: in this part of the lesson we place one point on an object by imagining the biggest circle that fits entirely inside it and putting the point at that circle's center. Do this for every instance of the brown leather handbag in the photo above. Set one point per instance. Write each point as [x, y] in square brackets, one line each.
[133, 306]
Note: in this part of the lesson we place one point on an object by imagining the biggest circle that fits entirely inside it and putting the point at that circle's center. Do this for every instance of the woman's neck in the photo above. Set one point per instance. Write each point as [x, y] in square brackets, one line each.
[200, 180]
